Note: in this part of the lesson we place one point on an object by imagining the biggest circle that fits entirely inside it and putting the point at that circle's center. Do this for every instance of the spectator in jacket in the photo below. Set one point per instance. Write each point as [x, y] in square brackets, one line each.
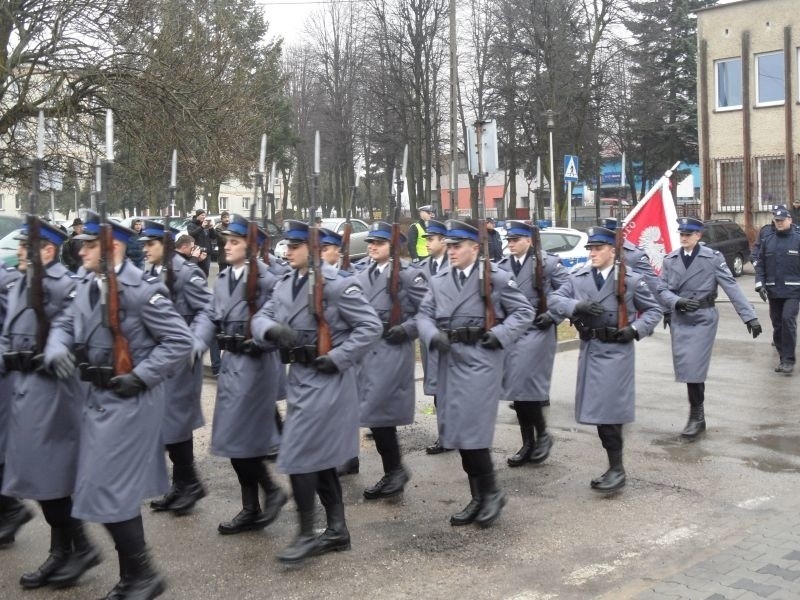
[200, 228]
[134, 250]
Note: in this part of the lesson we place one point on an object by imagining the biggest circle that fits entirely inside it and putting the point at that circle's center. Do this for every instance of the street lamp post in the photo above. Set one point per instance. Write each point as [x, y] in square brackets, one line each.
[551, 124]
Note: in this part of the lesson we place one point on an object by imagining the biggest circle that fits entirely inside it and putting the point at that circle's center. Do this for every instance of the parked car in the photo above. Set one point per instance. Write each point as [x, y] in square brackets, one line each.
[9, 224]
[730, 240]
[568, 244]
[8, 248]
[358, 242]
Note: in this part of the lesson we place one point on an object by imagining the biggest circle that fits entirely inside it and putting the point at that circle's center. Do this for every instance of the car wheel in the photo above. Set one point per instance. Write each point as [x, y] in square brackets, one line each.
[737, 267]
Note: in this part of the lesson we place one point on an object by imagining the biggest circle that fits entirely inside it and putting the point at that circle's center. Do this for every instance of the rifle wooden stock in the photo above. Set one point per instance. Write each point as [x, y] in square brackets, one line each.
[35, 282]
[619, 273]
[166, 260]
[396, 313]
[485, 270]
[542, 308]
[316, 285]
[251, 285]
[121, 353]
[348, 229]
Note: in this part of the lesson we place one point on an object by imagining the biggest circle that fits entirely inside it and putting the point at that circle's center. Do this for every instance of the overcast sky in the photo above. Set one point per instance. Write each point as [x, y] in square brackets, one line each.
[286, 17]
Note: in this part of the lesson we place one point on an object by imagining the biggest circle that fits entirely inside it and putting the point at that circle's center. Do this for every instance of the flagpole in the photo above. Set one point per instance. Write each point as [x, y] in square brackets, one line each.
[667, 174]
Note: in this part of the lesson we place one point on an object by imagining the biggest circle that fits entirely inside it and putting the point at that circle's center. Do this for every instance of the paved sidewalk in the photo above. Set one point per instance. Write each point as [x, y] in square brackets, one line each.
[764, 564]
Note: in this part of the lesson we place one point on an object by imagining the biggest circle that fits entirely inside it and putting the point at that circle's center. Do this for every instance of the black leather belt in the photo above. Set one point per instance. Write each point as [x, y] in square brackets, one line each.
[98, 376]
[464, 335]
[603, 334]
[24, 361]
[707, 303]
[301, 355]
[235, 345]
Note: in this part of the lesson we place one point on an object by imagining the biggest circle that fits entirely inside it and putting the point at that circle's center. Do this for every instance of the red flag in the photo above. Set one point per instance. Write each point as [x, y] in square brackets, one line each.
[653, 223]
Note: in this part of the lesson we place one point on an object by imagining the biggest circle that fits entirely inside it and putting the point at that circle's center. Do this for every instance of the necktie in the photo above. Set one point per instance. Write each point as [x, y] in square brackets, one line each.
[434, 266]
[232, 282]
[297, 284]
[94, 293]
[516, 266]
[687, 259]
[373, 272]
[598, 279]
[462, 278]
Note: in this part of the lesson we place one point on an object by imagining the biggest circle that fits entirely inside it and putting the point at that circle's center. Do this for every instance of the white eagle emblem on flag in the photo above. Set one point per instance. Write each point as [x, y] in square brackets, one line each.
[650, 241]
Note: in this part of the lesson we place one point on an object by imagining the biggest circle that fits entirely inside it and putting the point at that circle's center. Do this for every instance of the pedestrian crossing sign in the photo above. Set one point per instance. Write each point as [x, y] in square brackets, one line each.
[570, 167]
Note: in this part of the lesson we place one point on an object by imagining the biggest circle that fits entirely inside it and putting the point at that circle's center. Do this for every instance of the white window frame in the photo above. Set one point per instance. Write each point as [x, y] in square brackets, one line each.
[245, 203]
[718, 167]
[223, 203]
[716, 84]
[2, 202]
[756, 60]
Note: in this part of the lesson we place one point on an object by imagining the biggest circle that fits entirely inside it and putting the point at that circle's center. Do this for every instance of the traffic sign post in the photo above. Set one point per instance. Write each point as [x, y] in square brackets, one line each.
[571, 163]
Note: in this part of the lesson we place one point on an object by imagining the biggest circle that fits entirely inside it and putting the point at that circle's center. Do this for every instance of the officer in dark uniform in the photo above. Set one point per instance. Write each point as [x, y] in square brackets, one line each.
[606, 391]
[13, 513]
[244, 428]
[321, 429]
[44, 416]
[452, 321]
[436, 261]
[690, 277]
[386, 373]
[121, 460]
[529, 362]
[193, 301]
[778, 282]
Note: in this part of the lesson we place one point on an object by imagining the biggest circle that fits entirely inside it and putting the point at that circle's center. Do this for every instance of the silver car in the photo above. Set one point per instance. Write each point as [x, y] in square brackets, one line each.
[358, 243]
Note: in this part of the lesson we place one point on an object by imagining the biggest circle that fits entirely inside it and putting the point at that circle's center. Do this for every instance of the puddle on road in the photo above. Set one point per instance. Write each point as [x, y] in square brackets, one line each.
[786, 444]
[681, 450]
[769, 465]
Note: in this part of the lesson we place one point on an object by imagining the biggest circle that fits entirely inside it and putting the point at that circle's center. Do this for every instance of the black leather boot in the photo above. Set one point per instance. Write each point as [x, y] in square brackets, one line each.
[336, 537]
[523, 455]
[437, 448]
[274, 499]
[350, 467]
[470, 511]
[390, 485]
[612, 480]
[60, 549]
[250, 518]
[493, 499]
[83, 557]
[697, 422]
[189, 489]
[541, 449]
[305, 545]
[142, 581]
[13, 515]
[117, 591]
[165, 502]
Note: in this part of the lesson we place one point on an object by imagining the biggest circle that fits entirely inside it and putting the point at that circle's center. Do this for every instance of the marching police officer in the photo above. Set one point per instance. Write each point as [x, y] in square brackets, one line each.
[690, 276]
[321, 429]
[386, 373]
[192, 300]
[244, 428]
[435, 233]
[529, 362]
[13, 513]
[605, 393]
[45, 413]
[452, 320]
[636, 260]
[121, 458]
[778, 282]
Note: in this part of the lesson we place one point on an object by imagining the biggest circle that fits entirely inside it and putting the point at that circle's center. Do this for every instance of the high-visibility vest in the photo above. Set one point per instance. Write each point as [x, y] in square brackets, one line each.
[422, 248]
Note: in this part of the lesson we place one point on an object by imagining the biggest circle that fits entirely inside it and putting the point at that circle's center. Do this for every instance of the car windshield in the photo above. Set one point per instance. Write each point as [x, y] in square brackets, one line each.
[558, 242]
[8, 242]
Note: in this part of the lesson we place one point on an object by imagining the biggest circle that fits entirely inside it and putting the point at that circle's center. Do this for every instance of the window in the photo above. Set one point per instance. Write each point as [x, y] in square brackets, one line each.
[769, 79]
[246, 203]
[771, 181]
[2, 202]
[223, 203]
[18, 201]
[728, 75]
[730, 184]
[359, 227]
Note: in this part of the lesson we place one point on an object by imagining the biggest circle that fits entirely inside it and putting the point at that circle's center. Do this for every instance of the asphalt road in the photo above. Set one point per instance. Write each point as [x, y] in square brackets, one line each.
[684, 502]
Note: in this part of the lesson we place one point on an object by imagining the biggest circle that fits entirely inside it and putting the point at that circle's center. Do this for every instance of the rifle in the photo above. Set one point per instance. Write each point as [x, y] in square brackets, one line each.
[619, 278]
[348, 229]
[168, 243]
[123, 363]
[396, 314]
[251, 285]
[35, 268]
[539, 272]
[485, 276]
[316, 280]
